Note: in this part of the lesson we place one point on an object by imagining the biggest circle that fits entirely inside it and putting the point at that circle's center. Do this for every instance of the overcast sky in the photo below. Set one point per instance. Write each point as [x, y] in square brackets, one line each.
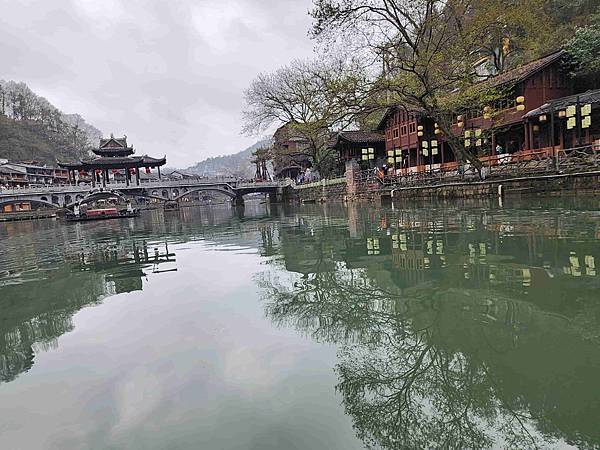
[169, 74]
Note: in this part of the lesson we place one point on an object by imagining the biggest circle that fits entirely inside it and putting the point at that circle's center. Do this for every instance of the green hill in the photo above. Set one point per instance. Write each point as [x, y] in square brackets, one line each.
[33, 129]
[237, 164]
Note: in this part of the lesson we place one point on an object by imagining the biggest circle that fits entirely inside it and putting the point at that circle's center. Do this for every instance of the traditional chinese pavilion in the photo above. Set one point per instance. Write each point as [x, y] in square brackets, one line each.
[114, 157]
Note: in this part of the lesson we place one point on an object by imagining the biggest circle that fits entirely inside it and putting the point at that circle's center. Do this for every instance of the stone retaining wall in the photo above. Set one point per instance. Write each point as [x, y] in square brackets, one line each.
[546, 185]
[357, 188]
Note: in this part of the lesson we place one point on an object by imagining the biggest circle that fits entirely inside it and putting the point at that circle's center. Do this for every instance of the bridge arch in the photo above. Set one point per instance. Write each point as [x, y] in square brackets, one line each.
[96, 195]
[36, 201]
[228, 193]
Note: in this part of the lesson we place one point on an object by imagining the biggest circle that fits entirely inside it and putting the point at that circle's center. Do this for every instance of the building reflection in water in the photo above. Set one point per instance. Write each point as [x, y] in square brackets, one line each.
[38, 310]
[49, 271]
[456, 329]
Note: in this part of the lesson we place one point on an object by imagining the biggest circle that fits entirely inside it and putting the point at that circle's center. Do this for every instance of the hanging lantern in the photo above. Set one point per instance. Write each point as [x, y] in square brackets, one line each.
[487, 113]
[543, 118]
[562, 114]
[148, 170]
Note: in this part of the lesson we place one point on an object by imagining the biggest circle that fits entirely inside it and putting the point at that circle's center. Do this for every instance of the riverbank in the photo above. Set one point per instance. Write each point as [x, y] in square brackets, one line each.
[361, 186]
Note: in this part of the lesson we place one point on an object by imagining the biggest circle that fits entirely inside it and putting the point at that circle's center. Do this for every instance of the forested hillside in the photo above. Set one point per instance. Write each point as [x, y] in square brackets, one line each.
[238, 164]
[31, 128]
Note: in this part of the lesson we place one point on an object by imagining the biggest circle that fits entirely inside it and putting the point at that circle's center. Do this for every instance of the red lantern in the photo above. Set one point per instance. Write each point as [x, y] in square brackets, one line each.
[115, 171]
[132, 171]
[148, 170]
[98, 171]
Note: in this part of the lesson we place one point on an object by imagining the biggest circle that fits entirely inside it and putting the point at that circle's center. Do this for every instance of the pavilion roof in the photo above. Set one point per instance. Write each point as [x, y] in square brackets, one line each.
[114, 151]
[115, 162]
[113, 142]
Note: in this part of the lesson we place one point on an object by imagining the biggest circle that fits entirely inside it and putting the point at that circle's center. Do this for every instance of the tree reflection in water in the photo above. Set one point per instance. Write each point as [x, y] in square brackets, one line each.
[452, 360]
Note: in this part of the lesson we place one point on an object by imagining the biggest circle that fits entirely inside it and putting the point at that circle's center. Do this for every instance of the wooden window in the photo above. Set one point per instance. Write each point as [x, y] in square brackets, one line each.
[412, 127]
[395, 131]
[403, 130]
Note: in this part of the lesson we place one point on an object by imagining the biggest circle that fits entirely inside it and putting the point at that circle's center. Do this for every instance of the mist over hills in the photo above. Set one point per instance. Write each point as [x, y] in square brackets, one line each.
[238, 164]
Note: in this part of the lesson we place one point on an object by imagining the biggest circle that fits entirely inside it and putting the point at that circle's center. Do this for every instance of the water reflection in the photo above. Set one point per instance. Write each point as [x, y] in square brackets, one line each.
[49, 271]
[456, 327]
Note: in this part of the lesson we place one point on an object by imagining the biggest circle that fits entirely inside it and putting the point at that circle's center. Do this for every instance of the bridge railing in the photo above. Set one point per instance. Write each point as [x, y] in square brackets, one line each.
[231, 182]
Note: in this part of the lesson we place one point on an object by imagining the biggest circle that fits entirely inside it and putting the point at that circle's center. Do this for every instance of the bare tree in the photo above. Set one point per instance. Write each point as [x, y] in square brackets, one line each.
[313, 97]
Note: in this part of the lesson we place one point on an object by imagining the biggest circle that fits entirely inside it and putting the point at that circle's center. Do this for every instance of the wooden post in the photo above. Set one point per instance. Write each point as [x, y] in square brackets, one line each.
[561, 137]
[531, 144]
[552, 138]
[159, 172]
[137, 176]
[93, 178]
[526, 129]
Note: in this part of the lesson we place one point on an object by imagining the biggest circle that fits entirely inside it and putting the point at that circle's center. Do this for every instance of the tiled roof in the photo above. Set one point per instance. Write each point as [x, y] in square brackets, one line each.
[511, 76]
[592, 97]
[120, 142]
[357, 137]
[361, 136]
[522, 72]
[116, 162]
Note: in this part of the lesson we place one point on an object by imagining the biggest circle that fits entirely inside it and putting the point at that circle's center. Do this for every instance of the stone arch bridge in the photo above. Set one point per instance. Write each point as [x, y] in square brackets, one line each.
[67, 196]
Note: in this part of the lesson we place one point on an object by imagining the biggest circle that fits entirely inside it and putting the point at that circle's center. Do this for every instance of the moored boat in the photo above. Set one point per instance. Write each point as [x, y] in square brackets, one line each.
[102, 214]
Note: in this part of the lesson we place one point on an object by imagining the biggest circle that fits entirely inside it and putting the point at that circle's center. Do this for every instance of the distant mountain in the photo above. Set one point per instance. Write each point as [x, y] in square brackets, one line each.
[32, 129]
[237, 164]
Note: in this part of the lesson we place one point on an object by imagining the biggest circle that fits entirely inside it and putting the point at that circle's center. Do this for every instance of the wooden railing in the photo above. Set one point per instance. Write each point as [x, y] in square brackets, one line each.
[538, 162]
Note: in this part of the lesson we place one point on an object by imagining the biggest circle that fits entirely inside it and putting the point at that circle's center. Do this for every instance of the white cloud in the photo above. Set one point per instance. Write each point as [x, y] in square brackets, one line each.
[170, 75]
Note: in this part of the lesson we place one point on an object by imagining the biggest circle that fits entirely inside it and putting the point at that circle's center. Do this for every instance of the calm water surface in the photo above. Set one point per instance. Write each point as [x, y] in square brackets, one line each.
[473, 326]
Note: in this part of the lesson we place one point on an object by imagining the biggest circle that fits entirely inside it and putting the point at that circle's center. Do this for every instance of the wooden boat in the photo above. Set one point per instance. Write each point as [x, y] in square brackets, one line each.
[102, 214]
[171, 206]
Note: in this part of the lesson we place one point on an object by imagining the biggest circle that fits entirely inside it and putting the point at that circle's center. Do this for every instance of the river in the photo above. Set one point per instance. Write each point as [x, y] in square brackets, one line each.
[312, 327]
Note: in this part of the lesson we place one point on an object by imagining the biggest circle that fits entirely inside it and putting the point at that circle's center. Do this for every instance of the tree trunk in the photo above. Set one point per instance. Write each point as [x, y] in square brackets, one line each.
[456, 143]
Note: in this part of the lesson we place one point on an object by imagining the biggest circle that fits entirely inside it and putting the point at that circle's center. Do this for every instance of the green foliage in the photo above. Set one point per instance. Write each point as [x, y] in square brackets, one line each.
[29, 140]
[584, 48]
[33, 129]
